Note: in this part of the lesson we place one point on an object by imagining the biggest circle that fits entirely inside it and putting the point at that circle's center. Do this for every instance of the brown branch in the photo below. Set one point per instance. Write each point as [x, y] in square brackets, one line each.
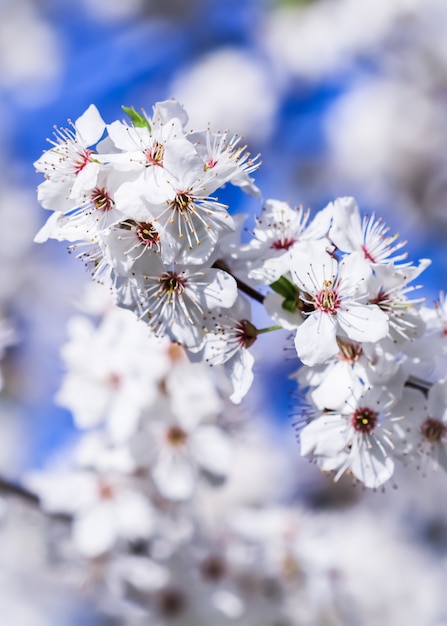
[14, 490]
[418, 383]
[8, 488]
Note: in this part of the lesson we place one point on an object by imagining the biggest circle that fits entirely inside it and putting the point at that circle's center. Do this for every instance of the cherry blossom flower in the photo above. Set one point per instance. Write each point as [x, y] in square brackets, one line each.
[142, 147]
[427, 436]
[359, 438]
[333, 295]
[370, 236]
[180, 204]
[174, 301]
[229, 336]
[278, 231]
[388, 286]
[70, 166]
[228, 161]
[104, 509]
[348, 372]
[111, 373]
[179, 452]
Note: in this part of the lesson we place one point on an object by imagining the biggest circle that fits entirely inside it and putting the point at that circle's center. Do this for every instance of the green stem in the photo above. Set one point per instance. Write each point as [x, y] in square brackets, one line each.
[268, 329]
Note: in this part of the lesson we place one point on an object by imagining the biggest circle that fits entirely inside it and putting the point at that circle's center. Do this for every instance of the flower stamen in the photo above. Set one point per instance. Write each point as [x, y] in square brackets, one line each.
[327, 300]
[364, 420]
[101, 199]
[433, 430]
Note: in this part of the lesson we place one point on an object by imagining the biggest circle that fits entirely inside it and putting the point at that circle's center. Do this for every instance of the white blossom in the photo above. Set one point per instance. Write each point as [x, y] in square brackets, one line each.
[70, 165]
[335, 295]
[359, 438]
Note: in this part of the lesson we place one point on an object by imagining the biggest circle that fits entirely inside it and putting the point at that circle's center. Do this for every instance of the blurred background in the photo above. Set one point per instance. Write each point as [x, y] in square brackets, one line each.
[340, 97]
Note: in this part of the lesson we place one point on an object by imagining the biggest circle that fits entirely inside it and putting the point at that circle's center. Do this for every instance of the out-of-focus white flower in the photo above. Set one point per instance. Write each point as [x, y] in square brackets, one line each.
[427, 433]
[248, 97]
[374, 150]
[191, 389]
[179, 437]
[316, 40]
[113, 372]
[179, 451]
[105, 508]
[31, 54]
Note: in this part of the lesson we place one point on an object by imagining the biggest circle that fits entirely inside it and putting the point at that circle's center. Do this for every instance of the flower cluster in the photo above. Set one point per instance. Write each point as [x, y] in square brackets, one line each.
[150, 421]
[137, 202]
[157, 441]
[140, 205]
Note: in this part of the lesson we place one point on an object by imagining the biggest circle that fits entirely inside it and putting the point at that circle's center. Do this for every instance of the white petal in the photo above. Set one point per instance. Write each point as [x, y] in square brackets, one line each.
[142, 573]
[85, 180]
[193, 395]
[221, 289]
[90, 126]
[324, 436]
[229, 603]
[338, 384]
[370, 464]
[441, 455]
[287, 319]
[123, 418]
[312, 265]
[53, 195]
[240, 371]
[346, 229]
[437, 400]
[134, 516]
[128, 200]
[354, 272]
[182, 164]
[183, 254]
[174, 476]
[315, 340]
[319, 226]
[168, 110]
[127, 138]
[212, 449]
[94, 532]
[47, 230]
[87, 399]
[363, 322]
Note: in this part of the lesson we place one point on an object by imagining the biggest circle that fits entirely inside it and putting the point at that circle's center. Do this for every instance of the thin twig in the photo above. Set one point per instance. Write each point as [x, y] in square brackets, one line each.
[8, 488]
[418, 383]
[14, 490]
